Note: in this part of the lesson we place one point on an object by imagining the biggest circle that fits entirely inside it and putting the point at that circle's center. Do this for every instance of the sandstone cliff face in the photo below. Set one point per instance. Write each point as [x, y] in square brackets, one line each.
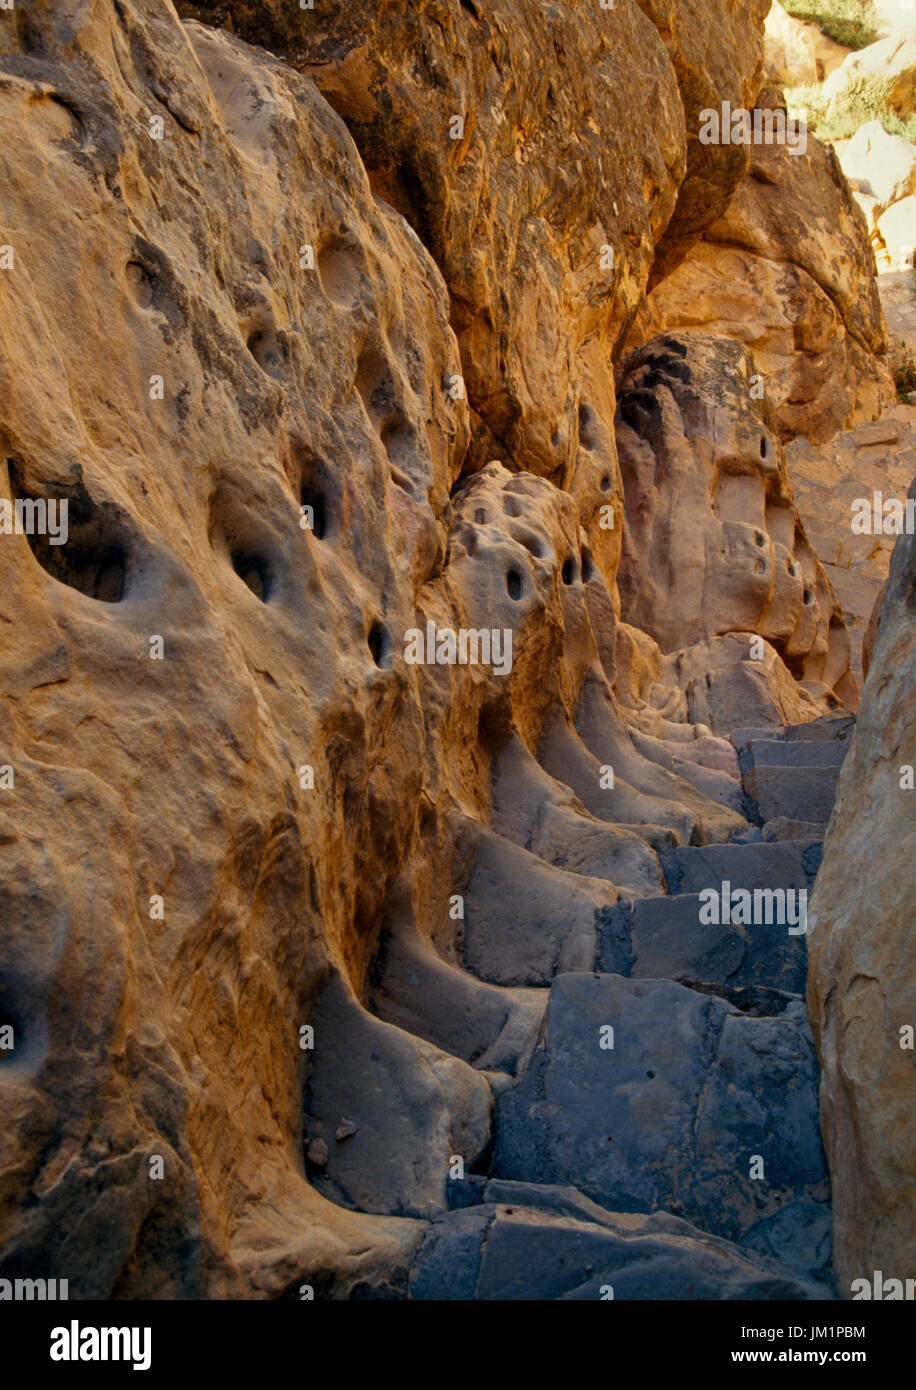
[712, 541]
[717, 57]
[876, 457]
[789, 272]
[515, 178]
[240, 809]
[180, 778]
[863, 977]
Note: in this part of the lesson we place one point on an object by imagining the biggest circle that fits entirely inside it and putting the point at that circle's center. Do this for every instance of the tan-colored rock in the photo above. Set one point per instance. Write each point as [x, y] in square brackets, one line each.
[828, 480]
[285, 868]
[173, 890]
[898, 231]
[862, 980]
[718, 57]
[876, 162]
[515, 177]
[715, 56]
[788, 271]
[871, 631]
[890, 62]
[797, 54]
[233, 362]
[727, 683]
[712, 541]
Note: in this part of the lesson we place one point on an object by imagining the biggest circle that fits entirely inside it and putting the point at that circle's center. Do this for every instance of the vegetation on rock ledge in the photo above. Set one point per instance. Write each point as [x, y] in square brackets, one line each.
[849, 22]
[865, 100]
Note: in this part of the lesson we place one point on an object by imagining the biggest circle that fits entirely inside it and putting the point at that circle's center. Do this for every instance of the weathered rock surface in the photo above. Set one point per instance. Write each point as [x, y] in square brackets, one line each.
[410, 1108]
[296, 923]
[796, 54]
[175, 1035]
[552, 1243]
[670, 940]
[714, 63]
[658, 1120]
[517, 200]
[712, 542]
[728, 680]
[828, 481]
[750, 866]
[863, 975]
[787, 270]
[788, 781]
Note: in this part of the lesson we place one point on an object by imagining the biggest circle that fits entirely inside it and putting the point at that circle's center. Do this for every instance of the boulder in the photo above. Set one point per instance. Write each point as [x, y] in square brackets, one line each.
[878, 163]
[796, 54]
[898, 231]
[724, 684]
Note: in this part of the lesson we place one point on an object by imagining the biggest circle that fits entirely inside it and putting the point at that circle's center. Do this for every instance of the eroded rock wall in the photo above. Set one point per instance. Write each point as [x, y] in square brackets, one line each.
[516, 172]
[712, 542]
[238, 810]
[863, 977]
[138, 778]
[718, 57]
[788, 270]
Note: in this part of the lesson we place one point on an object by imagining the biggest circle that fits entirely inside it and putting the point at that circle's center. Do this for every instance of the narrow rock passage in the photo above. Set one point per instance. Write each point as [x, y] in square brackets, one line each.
[654, 1128]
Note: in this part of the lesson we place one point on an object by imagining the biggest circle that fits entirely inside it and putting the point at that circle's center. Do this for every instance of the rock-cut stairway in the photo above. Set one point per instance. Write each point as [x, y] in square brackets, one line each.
[643, 1118]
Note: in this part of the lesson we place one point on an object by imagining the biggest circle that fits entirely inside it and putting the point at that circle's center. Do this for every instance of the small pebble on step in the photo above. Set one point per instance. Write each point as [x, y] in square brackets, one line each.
[317, 1153]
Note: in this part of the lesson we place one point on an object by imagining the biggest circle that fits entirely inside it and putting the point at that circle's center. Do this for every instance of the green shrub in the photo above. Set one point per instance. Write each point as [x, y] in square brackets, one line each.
[849, 22]
[865, 100]
[903, 365]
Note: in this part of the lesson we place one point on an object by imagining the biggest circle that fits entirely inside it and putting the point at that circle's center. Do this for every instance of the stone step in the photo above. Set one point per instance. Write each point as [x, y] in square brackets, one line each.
[831, 726]
[782, 828]
[740, 737]
[783, 864]
[527, 1241]
[800, 793]
[647, 1096]
[667, 939]
[526, 920]
[774, 753]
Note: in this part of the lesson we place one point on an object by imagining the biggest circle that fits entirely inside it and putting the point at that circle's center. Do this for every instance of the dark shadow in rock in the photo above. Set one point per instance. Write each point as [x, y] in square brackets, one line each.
[90, 552]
